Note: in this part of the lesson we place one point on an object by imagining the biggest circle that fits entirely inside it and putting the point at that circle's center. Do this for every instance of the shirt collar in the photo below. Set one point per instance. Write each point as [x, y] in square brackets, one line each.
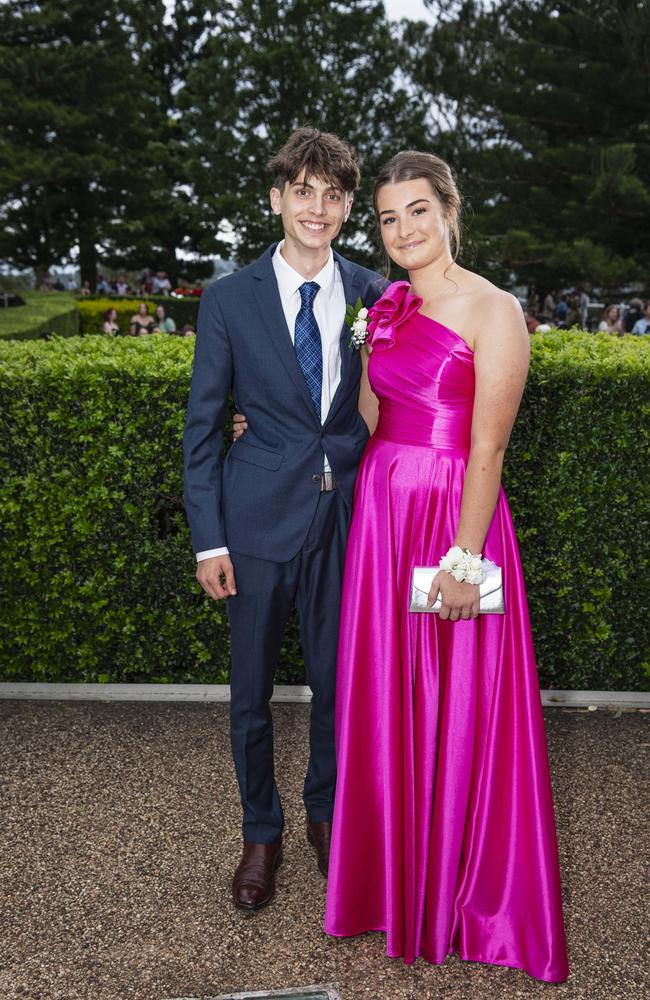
[289, 280]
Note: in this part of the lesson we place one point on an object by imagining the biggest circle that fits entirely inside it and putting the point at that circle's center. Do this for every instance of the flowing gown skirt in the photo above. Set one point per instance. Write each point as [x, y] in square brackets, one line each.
[444, 833]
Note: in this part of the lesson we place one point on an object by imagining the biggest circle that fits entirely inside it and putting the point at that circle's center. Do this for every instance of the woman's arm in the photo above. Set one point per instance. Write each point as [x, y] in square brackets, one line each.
[501, 356]
[368, 402]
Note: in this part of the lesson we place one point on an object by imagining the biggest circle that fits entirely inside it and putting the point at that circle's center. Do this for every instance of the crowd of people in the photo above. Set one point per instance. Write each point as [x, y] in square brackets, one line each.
[575, 309]
[143, 323]
[562, 310]
[149, 283]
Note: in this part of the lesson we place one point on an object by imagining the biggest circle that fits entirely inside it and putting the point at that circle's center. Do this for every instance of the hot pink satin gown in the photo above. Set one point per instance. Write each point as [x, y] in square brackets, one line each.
[443, 833]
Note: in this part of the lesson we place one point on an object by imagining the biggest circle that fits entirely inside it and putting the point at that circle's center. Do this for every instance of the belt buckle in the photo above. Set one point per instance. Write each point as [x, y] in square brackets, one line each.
[327, 482]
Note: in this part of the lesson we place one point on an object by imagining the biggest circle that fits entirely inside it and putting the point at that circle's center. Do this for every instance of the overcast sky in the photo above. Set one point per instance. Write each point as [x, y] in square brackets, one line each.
[414, 9]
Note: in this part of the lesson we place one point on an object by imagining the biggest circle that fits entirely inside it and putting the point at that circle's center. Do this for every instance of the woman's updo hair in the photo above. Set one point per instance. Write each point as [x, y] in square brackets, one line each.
[411, 165]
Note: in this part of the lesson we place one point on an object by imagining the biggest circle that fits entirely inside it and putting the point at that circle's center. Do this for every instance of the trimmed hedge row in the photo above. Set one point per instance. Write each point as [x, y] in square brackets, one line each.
[91, 311]
[43, 315]
[99, 578]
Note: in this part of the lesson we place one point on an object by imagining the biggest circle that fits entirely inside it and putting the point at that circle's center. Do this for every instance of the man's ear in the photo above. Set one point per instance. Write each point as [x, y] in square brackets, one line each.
[349, 199]
[275, 197]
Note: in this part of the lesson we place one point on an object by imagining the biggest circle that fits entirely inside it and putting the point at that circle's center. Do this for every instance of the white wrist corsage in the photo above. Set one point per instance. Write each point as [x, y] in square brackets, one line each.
[463, 565]
[356, 317]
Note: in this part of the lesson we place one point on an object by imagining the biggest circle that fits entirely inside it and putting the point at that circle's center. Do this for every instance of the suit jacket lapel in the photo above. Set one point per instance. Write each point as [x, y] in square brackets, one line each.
[270, 305]
[352, 285]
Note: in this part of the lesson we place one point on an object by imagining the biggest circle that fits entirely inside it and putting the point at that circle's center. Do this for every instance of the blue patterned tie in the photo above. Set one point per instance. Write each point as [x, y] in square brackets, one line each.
[307, 343]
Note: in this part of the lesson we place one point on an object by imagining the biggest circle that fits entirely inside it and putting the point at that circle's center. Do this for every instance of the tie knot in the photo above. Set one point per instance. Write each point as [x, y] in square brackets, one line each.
[308, 292]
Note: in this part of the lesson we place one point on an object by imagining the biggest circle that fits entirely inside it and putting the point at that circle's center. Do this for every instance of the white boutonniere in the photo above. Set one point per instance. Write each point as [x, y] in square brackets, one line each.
[356, 317]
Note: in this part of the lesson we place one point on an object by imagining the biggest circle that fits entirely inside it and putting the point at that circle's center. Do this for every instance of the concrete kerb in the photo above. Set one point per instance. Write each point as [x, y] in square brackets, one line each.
[293, 693]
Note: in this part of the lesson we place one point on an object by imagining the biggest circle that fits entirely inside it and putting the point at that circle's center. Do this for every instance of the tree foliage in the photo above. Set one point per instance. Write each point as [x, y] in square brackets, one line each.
[270, 66]
[549, 131]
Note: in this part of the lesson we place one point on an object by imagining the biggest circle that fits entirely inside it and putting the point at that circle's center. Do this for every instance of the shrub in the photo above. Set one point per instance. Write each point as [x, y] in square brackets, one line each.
[91, 311]
[43, 315]
[99, 580]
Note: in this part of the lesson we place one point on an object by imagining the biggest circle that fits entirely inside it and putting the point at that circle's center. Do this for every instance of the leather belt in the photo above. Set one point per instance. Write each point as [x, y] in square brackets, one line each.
[327, 482]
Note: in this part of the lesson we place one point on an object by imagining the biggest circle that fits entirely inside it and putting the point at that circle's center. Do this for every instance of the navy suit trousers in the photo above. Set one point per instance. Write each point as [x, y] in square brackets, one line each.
[266, 593]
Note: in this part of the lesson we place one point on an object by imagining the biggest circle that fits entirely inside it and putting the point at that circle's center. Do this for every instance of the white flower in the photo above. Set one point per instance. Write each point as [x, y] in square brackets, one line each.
[476, 563]
[458, 573]
[455, 553]
[475, 576]
[359, 326]
[363, 313]
[446, 564]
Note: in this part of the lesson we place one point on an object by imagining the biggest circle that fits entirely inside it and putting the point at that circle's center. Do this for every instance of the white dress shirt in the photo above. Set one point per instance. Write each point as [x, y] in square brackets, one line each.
[329, 310]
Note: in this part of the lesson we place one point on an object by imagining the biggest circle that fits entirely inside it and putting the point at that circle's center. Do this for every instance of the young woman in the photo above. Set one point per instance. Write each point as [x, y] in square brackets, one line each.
[611, 322]
[141, 323]
[443, 834]
[162, 322]
[110, 324]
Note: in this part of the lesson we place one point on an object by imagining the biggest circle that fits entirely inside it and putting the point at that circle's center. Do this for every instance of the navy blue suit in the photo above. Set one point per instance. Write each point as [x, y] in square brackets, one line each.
[264, 501]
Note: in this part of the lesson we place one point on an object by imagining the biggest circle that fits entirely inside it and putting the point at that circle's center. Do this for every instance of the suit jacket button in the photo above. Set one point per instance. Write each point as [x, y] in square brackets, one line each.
[315, 478]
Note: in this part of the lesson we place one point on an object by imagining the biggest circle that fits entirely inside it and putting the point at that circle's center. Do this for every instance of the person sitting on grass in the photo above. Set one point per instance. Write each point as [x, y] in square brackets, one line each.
[141, 323]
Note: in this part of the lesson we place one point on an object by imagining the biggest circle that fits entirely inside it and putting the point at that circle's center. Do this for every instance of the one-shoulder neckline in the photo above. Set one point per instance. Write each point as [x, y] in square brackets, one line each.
[447, 328]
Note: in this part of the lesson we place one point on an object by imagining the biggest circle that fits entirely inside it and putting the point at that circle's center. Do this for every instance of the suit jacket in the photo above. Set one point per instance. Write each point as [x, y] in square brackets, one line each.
[261, 497]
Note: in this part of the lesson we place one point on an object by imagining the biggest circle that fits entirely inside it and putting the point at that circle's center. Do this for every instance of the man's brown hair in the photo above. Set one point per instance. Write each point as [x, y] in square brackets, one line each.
[319, 154]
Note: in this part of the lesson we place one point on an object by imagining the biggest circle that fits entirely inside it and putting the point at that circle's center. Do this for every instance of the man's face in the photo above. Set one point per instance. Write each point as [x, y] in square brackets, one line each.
[313, 211]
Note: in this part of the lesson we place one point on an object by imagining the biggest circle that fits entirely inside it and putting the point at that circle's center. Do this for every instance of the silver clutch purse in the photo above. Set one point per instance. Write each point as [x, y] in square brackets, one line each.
[491, 590]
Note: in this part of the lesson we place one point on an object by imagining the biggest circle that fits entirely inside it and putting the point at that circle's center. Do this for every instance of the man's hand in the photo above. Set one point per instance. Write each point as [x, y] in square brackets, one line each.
[239, 425]
[217, 577]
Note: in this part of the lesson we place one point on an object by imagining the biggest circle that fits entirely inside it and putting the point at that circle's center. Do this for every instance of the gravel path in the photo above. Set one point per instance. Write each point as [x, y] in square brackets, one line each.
[119, 831]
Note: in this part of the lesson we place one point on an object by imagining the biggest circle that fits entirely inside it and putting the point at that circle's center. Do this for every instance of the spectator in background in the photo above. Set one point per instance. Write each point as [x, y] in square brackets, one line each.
[121, 286]
[187, 331]
[548, 309]
[103, 286]
[141, 323]
[162, 323]
[611, 322]
[633, 313]
[533, 301]
[110, 322]
[146, 283]
[561, 312]
[161, 284]
[530, 320]
[85, 289]
[573, 314]
[642, 325]
[583, 309]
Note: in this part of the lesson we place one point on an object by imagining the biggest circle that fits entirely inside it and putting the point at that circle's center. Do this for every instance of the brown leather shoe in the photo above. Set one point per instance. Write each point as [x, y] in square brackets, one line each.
[319, 836]
[254, 883]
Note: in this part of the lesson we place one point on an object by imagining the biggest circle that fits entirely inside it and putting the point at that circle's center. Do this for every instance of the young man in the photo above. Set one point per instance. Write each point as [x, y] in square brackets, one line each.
[269, 522]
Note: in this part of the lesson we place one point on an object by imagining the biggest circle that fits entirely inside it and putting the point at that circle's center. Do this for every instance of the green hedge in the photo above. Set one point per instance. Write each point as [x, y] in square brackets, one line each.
[98, 574]
[44, 314]
[91, 311]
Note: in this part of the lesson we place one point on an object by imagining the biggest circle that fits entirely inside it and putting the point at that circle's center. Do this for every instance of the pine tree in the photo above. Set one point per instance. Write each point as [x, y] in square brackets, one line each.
[268, 67]
[549, 132]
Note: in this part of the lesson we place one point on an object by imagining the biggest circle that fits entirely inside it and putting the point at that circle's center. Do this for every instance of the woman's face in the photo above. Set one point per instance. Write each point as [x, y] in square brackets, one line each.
[413, 225]
[160, 312]
[612, 314]
[142, 309]
[112, 315]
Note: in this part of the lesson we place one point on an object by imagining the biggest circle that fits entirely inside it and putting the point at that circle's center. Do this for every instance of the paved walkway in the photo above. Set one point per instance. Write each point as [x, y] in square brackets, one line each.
[119, 824]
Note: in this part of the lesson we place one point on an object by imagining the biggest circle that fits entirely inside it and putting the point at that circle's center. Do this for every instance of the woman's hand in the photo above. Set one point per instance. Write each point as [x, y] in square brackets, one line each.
[239, 425]
[459, 600]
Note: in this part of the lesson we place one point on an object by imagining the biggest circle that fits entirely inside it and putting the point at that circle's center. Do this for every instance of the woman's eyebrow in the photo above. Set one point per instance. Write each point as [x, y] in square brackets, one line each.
[391, 211]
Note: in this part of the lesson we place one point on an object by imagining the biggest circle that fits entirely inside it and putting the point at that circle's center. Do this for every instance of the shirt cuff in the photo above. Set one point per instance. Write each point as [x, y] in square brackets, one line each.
[209, 553]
